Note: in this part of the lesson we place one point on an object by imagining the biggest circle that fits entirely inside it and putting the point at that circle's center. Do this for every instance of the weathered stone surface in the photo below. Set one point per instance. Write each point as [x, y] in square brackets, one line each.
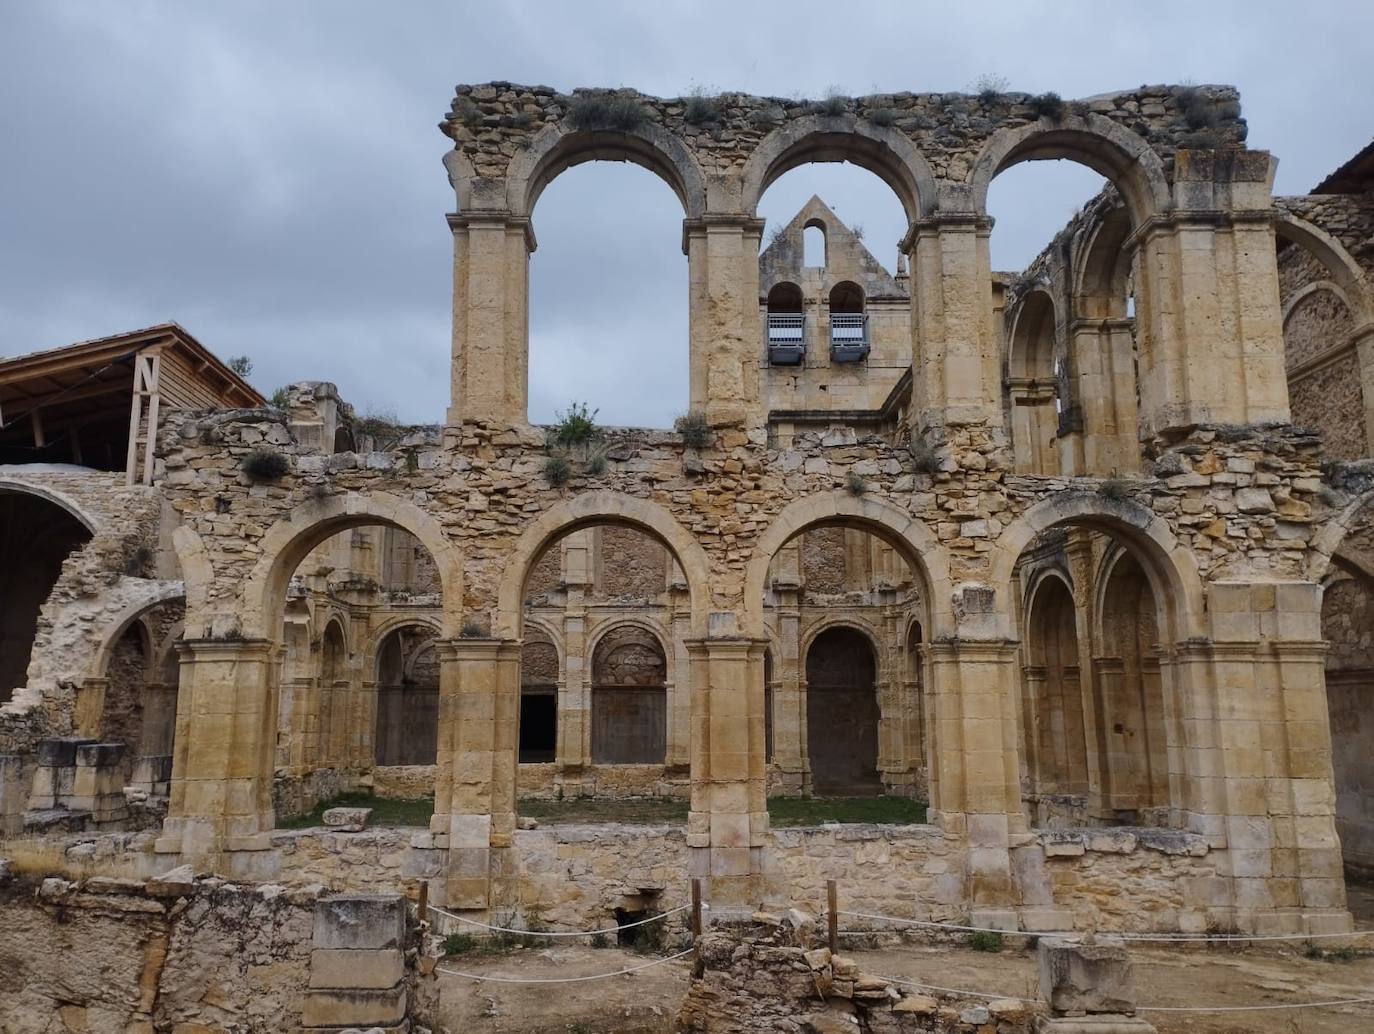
[347, 820]
[360, 921]
[1085, 979]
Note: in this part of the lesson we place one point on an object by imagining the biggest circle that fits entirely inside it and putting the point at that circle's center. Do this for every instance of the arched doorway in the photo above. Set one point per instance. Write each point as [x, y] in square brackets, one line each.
[36, 536]
[407, 697]
[842, 714]
[538, 699]
[629, 699]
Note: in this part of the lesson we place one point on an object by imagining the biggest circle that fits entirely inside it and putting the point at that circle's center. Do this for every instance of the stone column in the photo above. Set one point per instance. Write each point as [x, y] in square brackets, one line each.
[490, 354]
[221, 794]
[575, 695]
[1273, 731]
[1033, 424]
[977, 792]
[726, 344]
[474, 798]
[1208, 295]
[727, 826]
[1103, 354]
[789, 700]
[955, 353]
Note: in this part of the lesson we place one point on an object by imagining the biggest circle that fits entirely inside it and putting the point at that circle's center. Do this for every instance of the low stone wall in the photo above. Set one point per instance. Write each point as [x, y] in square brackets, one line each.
[1124, 880]
[915, 872]
[541, 781]
[403, 782]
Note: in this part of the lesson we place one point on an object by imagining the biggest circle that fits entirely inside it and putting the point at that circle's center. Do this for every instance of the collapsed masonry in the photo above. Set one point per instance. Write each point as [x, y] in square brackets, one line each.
[1047, 551]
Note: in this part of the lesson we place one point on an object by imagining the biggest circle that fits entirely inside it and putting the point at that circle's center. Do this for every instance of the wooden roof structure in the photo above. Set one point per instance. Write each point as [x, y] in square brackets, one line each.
[93, 402]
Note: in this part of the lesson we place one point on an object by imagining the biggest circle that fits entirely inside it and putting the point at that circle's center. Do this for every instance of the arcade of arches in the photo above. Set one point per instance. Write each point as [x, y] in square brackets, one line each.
[1059, 552]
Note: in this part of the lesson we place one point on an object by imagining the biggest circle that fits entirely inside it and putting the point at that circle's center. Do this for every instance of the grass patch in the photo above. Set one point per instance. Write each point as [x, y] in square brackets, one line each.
[385, 811]
[264, 464]
[1047, 105]
[982, 940]
[635, 811]
[812, 811]
[694, 428]
[606, 111]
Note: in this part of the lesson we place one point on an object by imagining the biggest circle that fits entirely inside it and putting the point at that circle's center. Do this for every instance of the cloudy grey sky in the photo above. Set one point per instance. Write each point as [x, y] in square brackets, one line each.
[268, 174]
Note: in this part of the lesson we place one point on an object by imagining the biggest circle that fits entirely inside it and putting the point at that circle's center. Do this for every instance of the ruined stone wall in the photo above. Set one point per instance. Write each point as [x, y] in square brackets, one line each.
[629, 564]
[1348, 624]
[489, 121]
[1324, 369]
[106, 956]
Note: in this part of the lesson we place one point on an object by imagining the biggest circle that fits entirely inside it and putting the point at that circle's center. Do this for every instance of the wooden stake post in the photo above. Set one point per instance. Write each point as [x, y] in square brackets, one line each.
[833, 918]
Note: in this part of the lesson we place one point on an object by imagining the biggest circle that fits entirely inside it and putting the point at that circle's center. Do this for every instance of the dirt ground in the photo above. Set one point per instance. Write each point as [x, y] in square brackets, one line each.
[647, 1002]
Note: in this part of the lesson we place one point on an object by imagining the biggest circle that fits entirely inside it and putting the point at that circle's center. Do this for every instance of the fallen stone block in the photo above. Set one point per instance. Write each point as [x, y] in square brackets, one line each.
[347, 820]
[354, 1008]
[175, 883]
[1079, 979]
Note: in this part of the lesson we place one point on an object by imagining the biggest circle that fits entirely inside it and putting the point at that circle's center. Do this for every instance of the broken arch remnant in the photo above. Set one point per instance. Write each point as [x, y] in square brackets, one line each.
[1106, 616]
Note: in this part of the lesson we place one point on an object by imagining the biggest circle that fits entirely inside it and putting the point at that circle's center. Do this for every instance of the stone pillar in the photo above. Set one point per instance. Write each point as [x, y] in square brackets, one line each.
[1033, 426]
[955, 353]
[1089, 988]
[727, 826]
[221, 794]
[975, 753]
[1273, 731]
[1103, 355]
[789, 700]
[1209, 294]
[357, 963]
[726, 343]
[490, 353]
[574, 751]
[90, 706]
[474, 798]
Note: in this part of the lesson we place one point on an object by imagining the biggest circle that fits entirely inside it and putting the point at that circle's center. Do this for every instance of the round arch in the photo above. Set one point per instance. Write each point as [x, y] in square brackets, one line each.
[557, 148]
[610, 624]
[923, 553]
[584, 511]
[1307, 291]
[1171, 569]
[1326, 543]
[119, 623]
[334, 620]
[373, 647]
[1034, 324]
[888, 154]
[1335, 259]
[1109, 149]
[289, 540]
[15, 486]
[853, 624]
[1103, 266]
[1038, 584]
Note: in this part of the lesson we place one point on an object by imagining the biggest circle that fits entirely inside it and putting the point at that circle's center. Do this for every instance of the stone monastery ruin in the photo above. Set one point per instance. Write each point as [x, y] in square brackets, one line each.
[1083, 556]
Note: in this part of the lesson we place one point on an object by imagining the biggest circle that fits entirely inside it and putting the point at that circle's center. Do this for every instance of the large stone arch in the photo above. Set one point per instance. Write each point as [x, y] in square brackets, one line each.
[557, 148]
[289, 540]
[1326, 543]
[1102, 145]
[90, 521]
[1171, 568]
[853, 623]
[886, 153]
[114, 625]
[927, 559]
[392, 623]
[1355, 289]
[586, 510]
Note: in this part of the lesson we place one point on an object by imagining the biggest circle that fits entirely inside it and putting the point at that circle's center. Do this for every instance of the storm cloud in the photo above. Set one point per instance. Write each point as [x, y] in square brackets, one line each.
[269, 174]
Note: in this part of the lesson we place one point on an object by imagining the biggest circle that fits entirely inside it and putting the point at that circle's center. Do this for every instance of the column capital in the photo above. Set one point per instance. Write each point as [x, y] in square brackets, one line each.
[472, 648]
[489, 217]
[219, 649]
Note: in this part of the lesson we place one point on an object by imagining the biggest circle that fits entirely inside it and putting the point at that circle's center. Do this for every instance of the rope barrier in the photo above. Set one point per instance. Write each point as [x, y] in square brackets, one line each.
[561, 980]
[560, 933]
[956, 991]
[1167, 938]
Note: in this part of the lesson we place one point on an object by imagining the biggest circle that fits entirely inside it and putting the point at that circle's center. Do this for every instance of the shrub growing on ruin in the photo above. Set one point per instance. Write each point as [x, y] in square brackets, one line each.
[576, 428]
[281, 398]
[983, 940]
[923, 456]
[990, 87]
[264, 464]
[883, 117]
[1115, 489]
[605, 111]
[835, 103]
[1047, 105]
[596, 463]
[459, 943]
[856, 484]
[702, 109]
[240, 364]
[472, 629]
[557, 471]
[694, 428]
